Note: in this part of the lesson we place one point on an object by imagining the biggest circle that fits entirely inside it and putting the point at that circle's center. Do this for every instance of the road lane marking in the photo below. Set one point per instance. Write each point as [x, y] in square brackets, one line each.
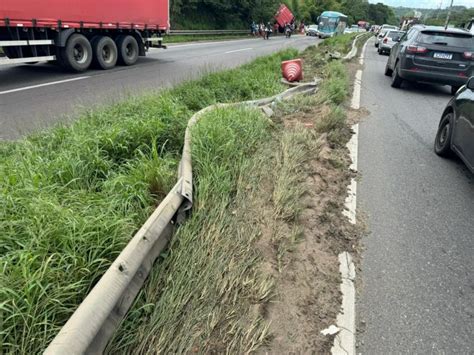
[239, 50]
[351, 199]
[355, 102]
[42, 85]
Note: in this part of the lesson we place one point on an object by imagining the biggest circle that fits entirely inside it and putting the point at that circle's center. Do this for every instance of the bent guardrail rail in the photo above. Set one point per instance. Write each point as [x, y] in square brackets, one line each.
[94, 322]
[354, 49]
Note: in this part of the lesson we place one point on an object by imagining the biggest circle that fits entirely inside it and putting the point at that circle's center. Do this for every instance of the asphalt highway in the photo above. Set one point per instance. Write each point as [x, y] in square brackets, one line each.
[35, 97]
[417, 273]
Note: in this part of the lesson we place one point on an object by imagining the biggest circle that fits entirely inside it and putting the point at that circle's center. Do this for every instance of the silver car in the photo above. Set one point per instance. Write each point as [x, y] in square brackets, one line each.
[386, 43]
[312, 31]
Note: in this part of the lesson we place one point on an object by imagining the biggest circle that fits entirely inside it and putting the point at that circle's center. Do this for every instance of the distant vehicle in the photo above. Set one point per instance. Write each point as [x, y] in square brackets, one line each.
[284, 16]
[380, 36]
[312, 31]
[432, 54]
[331, 24]
[391, 37]
[387, 27]
[354, 29]
[456, 128]
[78, 33]
[470, 26]
[364, 25]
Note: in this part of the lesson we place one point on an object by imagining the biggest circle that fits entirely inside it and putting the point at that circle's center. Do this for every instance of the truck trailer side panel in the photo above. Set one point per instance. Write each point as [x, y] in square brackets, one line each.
[113, 14]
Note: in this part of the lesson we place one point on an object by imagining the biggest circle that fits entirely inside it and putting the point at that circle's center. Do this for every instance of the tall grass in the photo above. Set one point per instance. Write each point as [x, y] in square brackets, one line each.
[198, 298]
[71, 198]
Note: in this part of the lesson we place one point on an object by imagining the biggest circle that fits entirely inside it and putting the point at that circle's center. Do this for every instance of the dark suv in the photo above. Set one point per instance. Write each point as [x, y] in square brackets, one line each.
[432, 54]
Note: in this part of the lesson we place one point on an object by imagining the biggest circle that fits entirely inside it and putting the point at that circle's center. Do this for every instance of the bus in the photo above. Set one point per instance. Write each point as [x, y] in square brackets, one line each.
[331, 24]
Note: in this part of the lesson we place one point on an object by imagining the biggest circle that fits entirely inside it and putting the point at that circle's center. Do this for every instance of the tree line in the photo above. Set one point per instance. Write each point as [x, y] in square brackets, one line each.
[234, 14]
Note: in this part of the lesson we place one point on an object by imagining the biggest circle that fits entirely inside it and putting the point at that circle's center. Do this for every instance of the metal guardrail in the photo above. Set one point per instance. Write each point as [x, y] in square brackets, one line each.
[207, 32]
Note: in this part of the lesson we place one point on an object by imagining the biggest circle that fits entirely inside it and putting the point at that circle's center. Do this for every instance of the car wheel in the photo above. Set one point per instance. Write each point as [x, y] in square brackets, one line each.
[77, 54]
[388, 71]
[454, 89]
[379, 51]
[396, 79]
[442, 145]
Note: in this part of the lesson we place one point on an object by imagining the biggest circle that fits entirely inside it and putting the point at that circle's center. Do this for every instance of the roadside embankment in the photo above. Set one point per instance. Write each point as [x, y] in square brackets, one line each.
[254, 268]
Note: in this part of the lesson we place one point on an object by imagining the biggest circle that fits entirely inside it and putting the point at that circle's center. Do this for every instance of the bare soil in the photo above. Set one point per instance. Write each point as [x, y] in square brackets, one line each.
[307, 297]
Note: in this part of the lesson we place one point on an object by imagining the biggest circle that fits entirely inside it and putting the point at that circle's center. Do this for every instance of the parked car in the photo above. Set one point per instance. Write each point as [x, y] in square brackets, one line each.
[391, 37]
[432, 54]
[312, 31]
[456, 128]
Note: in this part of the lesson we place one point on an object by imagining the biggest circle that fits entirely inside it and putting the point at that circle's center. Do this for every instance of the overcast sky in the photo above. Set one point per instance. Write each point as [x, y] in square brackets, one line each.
[428, 4]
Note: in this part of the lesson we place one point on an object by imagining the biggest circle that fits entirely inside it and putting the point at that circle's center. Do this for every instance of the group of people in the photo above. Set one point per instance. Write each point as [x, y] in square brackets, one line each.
[261, 30]
[265, 30]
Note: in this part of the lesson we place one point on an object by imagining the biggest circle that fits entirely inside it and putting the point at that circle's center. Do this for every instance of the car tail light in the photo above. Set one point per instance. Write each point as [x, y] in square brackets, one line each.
[462, 75]
[416, 49]
[468, 55]
[385, 40]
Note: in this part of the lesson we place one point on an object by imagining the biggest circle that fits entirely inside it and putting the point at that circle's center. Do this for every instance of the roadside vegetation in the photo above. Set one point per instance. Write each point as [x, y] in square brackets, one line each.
[71, 198]
[268, 198]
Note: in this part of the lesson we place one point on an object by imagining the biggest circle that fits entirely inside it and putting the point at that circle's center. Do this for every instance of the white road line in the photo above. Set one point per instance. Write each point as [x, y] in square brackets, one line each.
[351, 199]
[344, 342]
[42, 85]
[239, 50]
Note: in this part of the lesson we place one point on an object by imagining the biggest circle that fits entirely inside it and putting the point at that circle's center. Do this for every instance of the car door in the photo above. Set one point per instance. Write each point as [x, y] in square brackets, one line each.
[463, 134]
[397, 48]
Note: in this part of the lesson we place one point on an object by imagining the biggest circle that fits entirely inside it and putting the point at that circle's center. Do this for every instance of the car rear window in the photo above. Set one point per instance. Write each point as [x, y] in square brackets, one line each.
[395, 34]
[447, 39]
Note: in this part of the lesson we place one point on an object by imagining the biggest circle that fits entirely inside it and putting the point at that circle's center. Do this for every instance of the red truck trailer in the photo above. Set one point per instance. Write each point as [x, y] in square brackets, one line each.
[284, 16]
[78, 33]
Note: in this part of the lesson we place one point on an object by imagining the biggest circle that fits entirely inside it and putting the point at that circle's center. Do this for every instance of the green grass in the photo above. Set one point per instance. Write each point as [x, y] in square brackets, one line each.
[198, 297]
[341, 43]
[71, 198]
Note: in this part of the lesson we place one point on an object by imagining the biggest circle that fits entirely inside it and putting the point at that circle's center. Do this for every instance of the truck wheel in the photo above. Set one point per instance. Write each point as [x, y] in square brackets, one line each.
[127, 50]
[77, 55]
[105, 52]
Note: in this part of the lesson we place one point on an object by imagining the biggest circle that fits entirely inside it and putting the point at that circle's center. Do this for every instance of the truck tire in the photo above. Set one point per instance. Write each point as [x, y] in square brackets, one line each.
[127, 50]
[77, 55]
[105, 52]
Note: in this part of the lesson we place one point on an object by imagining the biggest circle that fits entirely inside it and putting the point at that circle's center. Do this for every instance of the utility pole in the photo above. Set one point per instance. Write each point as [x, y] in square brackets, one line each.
[449, 15]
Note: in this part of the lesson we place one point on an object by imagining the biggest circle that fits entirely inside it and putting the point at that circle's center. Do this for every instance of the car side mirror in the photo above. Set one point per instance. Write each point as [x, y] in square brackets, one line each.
[470, 83]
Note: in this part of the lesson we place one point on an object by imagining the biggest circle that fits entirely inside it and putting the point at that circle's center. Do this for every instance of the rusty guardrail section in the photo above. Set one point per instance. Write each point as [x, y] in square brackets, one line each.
[94, 322]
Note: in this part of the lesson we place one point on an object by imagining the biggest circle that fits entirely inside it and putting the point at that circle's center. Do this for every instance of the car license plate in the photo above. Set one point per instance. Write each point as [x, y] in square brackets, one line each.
[443, 56]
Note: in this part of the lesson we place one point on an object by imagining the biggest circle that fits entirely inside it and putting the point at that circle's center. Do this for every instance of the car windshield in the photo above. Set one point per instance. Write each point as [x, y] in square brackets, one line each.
[313, 26]
[447, 39]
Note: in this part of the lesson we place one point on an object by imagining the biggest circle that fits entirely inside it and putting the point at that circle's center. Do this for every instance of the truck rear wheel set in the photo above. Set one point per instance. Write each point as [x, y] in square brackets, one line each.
[101, 51]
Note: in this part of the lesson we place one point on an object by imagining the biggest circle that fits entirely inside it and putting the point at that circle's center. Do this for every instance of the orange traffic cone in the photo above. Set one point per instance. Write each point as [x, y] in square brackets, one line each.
[292, 70]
